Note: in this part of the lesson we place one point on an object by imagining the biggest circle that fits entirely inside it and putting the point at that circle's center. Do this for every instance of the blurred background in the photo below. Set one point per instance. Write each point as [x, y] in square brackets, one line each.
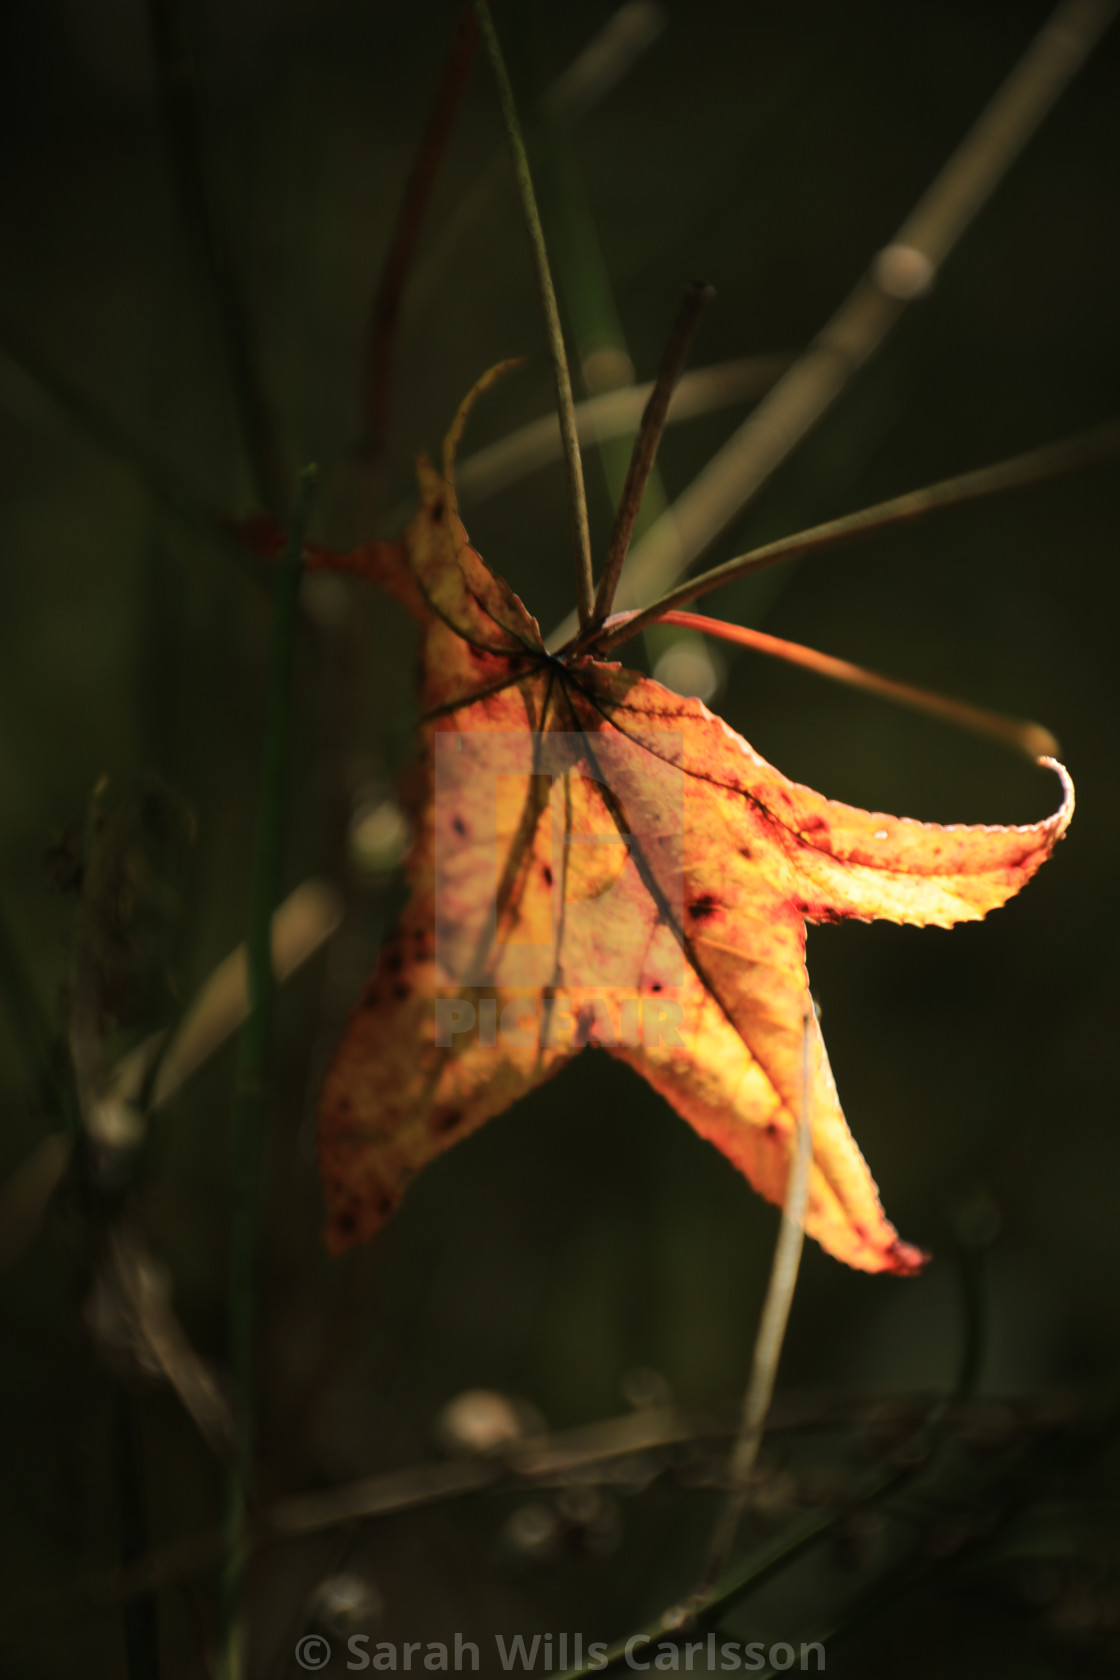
[585, 1257]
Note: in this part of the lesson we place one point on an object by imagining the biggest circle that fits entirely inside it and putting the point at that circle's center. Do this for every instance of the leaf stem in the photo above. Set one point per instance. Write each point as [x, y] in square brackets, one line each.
[696, 298]
[902, 272]
[577, 499]
[1086, 449]
[252, 1062]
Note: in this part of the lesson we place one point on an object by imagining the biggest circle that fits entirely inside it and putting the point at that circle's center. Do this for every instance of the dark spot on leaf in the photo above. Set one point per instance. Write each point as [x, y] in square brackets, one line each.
[438, 508]
[442, 1123]
[745, 852]
[817, 912]
[547, 873]
[703, 907]
[904, 1259]
[772, 1129]
[400, 990]
[657, 986]
[459, 825]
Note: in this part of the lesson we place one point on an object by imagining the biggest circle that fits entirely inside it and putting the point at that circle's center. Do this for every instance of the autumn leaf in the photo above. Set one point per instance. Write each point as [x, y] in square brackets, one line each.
[600, 862]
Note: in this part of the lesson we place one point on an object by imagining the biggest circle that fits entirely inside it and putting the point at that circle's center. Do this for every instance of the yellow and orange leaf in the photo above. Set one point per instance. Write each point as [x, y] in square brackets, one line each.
[601, 862]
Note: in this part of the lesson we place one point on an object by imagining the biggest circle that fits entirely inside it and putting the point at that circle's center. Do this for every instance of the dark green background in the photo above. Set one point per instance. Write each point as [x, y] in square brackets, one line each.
[772, 150]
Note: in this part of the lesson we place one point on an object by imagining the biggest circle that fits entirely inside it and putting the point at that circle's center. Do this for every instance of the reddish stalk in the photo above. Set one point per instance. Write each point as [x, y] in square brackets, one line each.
[409, 224]
[1018, 733]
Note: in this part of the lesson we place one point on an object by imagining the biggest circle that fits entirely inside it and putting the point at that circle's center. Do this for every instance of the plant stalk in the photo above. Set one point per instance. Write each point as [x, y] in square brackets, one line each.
[577, 498]
[901, 273]
[1019, 472]
[252, 1063]
[695, 300]
[771, 1325]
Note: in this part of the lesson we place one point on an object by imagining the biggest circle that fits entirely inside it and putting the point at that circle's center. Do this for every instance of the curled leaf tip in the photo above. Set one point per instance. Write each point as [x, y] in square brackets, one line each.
[904, 1259]
[1060, 821]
